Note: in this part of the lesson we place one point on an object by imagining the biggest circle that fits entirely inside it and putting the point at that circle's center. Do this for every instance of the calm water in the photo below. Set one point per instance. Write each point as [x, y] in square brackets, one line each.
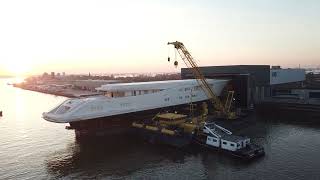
[32, 148]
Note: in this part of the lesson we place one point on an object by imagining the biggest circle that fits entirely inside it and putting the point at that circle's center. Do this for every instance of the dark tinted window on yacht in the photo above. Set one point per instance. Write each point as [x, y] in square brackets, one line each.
[196, 88]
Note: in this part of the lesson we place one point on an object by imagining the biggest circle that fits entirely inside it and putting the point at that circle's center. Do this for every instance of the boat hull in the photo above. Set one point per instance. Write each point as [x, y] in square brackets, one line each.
[122, 123]
[152, 137]
[251, 152]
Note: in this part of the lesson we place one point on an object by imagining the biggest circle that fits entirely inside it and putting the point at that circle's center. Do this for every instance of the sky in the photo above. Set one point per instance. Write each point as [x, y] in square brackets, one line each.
[122, 36]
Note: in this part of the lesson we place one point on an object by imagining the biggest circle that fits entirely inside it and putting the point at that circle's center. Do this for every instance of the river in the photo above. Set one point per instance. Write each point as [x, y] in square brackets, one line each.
[32, 148]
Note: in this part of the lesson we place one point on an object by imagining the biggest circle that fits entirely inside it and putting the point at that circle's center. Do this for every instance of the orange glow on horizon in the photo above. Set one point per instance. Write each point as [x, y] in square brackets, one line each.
[131, 37]
[17, 68]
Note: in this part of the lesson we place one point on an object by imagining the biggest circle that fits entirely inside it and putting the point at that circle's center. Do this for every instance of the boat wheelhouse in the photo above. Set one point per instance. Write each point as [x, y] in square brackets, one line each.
[214, 136]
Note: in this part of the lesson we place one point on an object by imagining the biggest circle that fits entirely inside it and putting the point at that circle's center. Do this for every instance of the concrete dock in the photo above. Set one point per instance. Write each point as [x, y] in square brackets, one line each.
[295, 108]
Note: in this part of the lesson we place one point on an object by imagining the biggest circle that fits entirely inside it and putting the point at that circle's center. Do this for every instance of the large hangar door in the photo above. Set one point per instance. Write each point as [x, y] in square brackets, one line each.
[240, 84]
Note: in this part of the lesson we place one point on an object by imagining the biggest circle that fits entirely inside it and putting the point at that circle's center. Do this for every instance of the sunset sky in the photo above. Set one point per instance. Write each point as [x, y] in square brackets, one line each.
[130, 36]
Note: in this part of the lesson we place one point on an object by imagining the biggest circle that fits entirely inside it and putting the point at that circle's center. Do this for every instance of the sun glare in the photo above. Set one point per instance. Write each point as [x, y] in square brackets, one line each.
[17, 68]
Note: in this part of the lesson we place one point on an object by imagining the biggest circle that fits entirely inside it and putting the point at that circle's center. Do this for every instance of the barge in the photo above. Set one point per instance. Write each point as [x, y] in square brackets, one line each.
[181, 131]
[167, 128]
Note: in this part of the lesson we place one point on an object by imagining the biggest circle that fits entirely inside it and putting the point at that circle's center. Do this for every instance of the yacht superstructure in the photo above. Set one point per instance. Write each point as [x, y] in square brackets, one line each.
[130, 98]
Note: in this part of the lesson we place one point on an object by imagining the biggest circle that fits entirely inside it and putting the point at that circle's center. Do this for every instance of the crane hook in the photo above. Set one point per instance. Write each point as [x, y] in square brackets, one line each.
[175, 64]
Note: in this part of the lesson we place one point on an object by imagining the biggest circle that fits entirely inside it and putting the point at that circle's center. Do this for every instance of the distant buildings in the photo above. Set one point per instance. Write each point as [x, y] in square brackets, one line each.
[53, 75]
[45, 74]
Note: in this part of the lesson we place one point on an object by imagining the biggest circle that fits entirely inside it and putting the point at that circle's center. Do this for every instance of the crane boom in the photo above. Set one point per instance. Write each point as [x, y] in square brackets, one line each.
[191, 64]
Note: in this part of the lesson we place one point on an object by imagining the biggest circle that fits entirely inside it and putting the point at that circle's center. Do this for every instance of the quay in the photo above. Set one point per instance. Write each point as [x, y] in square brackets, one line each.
[297, 108]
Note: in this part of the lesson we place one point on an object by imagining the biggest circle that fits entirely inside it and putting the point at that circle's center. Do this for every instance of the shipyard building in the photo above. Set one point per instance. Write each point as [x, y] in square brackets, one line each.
[251, 83]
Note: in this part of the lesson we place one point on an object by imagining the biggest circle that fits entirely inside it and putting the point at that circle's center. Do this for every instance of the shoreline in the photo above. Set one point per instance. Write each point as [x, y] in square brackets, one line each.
[69, 93]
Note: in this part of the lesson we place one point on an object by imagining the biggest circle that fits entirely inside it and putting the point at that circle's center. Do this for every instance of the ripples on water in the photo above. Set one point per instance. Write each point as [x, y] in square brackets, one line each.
[31, 148]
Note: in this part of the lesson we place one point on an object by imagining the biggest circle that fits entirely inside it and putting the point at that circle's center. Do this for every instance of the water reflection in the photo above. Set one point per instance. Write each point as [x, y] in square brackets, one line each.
[111, 156]
[127, 156]
[19, 105]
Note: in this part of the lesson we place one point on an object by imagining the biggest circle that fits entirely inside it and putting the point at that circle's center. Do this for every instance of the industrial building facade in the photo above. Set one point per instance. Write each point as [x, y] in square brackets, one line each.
[251, 83]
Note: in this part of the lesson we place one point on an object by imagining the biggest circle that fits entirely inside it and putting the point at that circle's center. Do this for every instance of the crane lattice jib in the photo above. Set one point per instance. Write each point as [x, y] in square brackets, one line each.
[191, 64]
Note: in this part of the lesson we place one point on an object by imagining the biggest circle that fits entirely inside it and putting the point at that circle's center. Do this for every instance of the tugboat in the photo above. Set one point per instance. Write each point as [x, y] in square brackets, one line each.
[216, 137]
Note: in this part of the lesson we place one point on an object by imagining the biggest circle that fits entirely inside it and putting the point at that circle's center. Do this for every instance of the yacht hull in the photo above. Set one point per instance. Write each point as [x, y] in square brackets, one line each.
[118, 124]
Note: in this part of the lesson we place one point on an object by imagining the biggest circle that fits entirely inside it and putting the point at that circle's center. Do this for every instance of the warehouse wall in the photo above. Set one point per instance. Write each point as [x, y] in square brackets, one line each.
[281, 76]
[260, 74]
[252, 81]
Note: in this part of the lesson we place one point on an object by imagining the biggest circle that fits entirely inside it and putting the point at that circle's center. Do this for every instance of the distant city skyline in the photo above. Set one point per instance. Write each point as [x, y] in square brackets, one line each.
[125, 36]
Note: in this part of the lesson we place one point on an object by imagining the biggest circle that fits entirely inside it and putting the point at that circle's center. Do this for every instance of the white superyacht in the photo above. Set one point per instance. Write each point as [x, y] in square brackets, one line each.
[124, 102]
